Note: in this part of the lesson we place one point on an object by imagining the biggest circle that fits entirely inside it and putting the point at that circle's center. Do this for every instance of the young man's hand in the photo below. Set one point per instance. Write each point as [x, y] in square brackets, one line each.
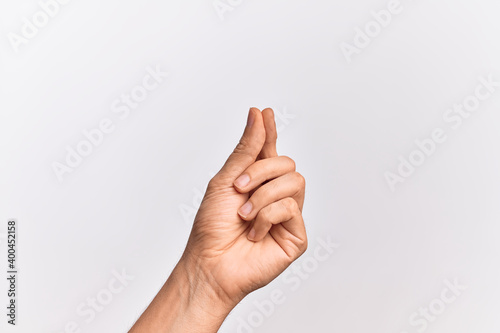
[248, 230]
[249, 227]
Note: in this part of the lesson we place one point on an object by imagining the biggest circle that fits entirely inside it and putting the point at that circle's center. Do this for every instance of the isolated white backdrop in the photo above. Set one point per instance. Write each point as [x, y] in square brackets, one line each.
[127, 205]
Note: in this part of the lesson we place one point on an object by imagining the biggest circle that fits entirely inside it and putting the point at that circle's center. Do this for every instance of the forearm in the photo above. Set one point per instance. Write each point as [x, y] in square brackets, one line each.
[186, 304]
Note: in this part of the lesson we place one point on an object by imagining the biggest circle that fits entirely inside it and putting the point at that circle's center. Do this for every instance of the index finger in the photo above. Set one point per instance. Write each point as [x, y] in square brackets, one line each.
[269, 149]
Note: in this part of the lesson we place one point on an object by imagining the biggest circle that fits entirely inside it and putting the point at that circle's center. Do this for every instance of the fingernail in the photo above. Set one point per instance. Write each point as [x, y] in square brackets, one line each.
[251, 118]
[242, 181]
[246, 209]
[251, 234]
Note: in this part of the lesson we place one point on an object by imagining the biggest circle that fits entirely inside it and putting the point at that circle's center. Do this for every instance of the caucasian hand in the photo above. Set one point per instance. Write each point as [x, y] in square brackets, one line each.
[249, 227]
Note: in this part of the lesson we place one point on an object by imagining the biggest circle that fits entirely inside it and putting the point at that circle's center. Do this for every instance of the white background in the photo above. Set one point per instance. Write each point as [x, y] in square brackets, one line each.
[347, 124]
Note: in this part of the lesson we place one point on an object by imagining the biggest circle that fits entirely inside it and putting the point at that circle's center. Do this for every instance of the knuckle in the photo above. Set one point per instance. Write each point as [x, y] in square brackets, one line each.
[291, 206]
[300, 180]
[218, 181]
[213, 182]
[291, 162]
[241, 147]
[303, 244]
[264, 215]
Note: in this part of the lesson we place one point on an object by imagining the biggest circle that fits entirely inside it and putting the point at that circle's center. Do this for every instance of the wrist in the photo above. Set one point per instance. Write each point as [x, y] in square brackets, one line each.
[187, 303]
[202, 291]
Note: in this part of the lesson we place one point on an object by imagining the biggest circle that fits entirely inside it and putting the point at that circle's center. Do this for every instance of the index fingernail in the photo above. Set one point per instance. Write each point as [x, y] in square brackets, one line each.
[242, 181]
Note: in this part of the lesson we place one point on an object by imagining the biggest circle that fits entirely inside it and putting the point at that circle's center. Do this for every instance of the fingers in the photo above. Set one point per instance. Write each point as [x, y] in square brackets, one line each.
[248, 148]
[263, 170]
[269, 149]
[284, 211]
[289, 185]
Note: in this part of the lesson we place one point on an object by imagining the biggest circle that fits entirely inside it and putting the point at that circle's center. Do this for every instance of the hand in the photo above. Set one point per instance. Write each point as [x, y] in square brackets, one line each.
[249, 228]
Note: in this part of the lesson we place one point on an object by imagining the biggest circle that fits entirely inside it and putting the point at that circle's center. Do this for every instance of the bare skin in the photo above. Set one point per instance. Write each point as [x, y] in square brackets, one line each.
[248, 230]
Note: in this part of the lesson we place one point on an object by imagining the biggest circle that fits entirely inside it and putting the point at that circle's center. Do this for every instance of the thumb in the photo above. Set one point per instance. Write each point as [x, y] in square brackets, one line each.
[247, 150]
